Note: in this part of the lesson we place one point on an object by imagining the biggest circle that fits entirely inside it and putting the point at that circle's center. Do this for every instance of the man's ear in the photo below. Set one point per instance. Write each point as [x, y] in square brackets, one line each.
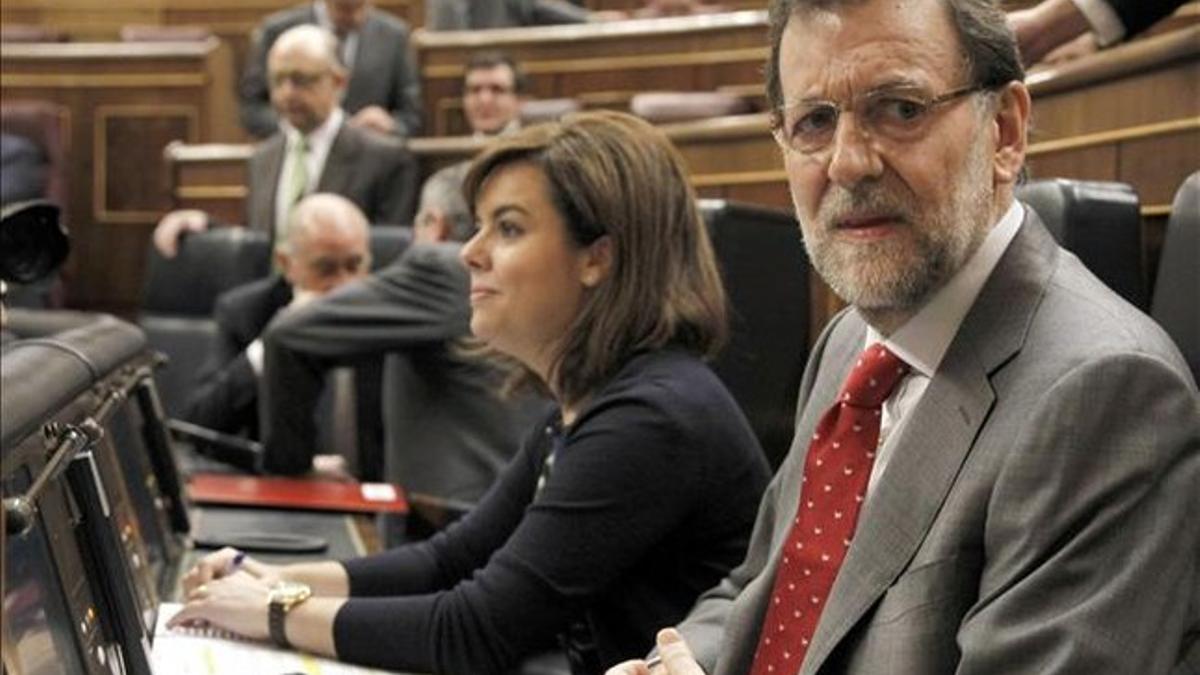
[283, 261]
[1011, 127]
[597, 262]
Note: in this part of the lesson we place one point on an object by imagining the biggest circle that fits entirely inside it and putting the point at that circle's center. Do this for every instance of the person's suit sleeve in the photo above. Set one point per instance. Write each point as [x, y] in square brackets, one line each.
[395, 190]
[407, 88]
[1138, 15]
[226, 400]
[254, 96]
[1093, 528]
[553, 12]
[421, 299]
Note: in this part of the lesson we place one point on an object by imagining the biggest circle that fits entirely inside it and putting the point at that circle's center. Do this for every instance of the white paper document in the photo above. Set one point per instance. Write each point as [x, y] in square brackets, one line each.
[207, 651]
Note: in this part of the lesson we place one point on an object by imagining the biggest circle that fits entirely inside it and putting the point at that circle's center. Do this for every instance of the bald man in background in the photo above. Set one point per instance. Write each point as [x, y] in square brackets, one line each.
[326, 246]
[315, 150]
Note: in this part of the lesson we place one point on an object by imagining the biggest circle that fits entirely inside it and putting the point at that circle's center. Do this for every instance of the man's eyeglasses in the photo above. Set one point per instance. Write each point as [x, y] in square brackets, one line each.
[894, 114]
[298, 78]
[326, 267]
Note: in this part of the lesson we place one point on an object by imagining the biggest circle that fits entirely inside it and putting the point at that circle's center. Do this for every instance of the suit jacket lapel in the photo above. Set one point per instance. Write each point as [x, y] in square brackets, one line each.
[937, 438]
[338, 172]
[262, 206]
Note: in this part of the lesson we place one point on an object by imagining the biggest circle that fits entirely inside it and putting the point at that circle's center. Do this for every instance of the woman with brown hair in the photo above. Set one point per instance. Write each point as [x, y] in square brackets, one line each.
[593, 273]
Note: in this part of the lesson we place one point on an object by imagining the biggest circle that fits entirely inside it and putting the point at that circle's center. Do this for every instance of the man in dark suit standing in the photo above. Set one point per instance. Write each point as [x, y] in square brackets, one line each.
[326, 246]
[996, 457]
[315, 149]
[383, 93]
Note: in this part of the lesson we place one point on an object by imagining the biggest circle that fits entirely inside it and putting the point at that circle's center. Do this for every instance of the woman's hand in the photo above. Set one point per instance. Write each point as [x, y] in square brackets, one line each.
[225, 562]
[237, 603]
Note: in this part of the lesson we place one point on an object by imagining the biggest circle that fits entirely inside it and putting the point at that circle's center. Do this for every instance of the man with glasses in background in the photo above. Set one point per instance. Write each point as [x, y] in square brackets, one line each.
[315, 149]
[996, 458]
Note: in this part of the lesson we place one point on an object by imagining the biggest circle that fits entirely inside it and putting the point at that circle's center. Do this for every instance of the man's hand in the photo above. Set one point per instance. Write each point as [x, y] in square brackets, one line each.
[675, 658]
[1045, 26]
[173, 225]
[374, 118]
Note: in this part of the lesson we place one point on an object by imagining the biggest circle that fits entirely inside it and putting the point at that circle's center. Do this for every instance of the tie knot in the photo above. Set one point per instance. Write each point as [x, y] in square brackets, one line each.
[873, 377]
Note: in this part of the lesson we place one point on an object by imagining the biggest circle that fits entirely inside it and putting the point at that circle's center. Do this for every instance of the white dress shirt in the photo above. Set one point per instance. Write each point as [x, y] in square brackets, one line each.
[320, 140]
[923, 340]
[1105, 22]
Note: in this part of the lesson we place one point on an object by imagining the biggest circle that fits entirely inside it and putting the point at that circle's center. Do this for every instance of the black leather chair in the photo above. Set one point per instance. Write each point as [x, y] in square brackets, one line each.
[1177, 287]
[1098, 221]
[765, 270]
[178, 298]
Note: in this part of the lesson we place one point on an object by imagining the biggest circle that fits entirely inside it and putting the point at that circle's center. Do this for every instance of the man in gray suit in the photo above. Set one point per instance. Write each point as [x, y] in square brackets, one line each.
[315, 150]
[383, 93]
[477, 14]
[1017, 493]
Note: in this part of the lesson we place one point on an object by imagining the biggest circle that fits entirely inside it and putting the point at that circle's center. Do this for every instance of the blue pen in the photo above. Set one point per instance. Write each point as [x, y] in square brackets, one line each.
[235, 563]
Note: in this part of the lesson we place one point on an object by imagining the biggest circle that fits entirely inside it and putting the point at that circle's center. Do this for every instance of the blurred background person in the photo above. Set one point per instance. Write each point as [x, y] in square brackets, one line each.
[383, 92]
[1059, 30]
[315, 150]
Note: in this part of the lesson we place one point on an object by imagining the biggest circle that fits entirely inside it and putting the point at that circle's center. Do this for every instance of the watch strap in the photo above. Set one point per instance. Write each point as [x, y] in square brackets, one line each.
[276, 616]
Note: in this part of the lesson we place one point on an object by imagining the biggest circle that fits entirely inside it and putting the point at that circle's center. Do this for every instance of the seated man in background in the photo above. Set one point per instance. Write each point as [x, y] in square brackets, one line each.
[326, 246]
[996, 457]
[492, 87]
[1058, 30]
[315, 150]
[383, 93]
[447, 433]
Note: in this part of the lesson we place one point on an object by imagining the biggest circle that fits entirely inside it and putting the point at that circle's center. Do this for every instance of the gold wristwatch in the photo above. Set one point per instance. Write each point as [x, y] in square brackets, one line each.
[283, 598]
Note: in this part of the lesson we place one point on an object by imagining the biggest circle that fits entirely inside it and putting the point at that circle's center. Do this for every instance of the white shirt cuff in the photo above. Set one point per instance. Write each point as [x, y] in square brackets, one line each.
[254, 354]
[1104, 20]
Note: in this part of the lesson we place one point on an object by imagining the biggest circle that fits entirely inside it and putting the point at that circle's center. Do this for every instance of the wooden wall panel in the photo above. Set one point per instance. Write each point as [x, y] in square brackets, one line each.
[125, 102]
[230, 20]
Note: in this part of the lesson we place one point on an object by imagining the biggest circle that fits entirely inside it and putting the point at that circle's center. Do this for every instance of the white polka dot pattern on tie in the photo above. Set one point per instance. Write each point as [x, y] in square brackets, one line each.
[823, 531]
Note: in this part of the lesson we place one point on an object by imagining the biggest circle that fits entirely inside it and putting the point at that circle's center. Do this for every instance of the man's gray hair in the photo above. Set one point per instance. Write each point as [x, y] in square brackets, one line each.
[443, 191]
[990, 53]
[313, 37]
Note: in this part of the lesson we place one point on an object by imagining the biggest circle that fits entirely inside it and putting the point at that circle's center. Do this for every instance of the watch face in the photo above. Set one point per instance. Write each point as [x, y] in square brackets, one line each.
[289, 592]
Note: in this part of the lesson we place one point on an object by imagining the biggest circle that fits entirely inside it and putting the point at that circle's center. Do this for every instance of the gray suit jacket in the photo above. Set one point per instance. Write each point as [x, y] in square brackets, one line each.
[383, 74]
[477, 14]
[1038, 513]
[375, 172]
[447, 432]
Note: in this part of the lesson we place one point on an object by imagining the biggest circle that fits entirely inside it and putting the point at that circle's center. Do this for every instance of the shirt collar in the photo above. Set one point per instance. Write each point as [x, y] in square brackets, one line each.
[321, 137]
[923, 340]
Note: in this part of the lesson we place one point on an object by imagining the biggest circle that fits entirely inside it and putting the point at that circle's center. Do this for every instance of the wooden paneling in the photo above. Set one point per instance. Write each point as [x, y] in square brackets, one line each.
[125, 103]
[599, 60]
[230, 20]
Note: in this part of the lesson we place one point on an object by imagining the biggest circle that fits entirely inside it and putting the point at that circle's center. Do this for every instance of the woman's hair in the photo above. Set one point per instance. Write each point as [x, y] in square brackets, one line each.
[614, 175]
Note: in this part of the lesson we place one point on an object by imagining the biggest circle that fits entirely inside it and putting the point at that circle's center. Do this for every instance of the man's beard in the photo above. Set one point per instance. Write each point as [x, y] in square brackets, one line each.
[901, 272]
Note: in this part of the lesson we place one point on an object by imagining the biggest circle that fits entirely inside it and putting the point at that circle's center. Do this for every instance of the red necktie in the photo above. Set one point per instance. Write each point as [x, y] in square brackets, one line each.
[836, 470]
